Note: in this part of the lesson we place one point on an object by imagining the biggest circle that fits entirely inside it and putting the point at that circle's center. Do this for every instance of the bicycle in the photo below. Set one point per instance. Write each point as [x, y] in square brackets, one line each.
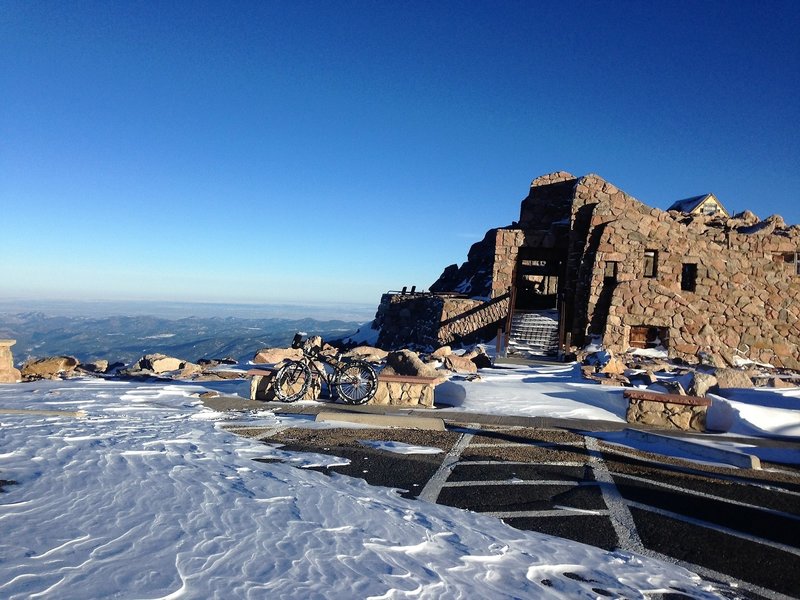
[354, 381]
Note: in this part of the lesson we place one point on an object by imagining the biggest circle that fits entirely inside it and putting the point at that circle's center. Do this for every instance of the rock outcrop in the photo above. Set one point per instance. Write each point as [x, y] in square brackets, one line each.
[53, 367]
[406, 362]
[273, 356]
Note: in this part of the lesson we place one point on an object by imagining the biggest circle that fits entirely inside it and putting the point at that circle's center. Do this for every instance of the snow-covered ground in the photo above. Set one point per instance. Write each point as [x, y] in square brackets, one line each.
[146, 496]
[561, 392]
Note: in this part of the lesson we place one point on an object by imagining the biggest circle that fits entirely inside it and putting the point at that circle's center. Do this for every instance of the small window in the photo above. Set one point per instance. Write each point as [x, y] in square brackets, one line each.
[689, 277]
[610, 271]
[791, 258]
[647, 336]
[650, 263]
[710, 209]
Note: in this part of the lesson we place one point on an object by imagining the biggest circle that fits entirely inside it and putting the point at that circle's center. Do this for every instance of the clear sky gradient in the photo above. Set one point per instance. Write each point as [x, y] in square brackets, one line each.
[329, 151]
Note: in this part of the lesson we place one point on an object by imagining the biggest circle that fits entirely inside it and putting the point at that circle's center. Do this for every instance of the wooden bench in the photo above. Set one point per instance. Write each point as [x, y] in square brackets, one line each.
[394, 390]
[670, 411]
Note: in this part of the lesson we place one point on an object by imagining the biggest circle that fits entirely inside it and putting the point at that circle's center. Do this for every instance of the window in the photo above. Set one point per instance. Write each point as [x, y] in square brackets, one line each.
[689, 277]
[791, 258]
[650, 263]
[610, 271]
[647, 336]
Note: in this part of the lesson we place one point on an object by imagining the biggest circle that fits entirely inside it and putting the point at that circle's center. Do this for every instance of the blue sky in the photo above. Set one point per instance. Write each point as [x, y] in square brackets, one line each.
[329, 151]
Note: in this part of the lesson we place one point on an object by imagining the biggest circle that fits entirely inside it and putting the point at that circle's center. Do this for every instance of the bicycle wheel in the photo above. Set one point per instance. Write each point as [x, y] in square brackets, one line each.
[356, 382]
[291, 381]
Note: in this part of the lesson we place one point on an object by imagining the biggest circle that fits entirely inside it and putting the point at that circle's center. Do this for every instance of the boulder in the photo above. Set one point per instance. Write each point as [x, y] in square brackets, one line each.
[215, 362]
[777, 382]
[273, 356]
[668, 387]
[597, 359]
[459, 364]
[732, 378]
[367, 353]
[479, 357]
[711, 360]
[49, 368]
[158, 363]
[442, 352]
[614, 366]
[187, 369]
[701, 383]
[98, 366]
[406, 362]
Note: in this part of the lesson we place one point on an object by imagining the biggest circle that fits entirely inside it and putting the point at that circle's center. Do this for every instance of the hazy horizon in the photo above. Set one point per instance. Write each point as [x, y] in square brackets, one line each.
[185, 309]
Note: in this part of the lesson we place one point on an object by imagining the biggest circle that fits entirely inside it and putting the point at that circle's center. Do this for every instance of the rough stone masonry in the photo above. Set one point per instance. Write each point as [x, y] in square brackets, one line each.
[615, 268]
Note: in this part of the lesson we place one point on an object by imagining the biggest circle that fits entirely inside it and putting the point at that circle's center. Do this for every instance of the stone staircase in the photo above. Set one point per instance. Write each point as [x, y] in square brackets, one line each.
[534, 333]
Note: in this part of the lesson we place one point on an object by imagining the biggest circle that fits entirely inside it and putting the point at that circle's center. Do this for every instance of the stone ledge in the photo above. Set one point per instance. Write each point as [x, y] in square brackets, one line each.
[404, 422]
[723, 455]
[666, 398]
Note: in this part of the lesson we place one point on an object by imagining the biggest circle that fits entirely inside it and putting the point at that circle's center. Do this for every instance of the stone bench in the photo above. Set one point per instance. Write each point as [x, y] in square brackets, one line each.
[393, 390]
[669, 411]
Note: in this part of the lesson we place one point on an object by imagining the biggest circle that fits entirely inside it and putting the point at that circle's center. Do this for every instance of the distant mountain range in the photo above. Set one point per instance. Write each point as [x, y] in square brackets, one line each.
[127, 338]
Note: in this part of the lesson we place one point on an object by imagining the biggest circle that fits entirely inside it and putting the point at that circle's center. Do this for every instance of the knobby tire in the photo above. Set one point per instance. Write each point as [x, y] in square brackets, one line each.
[356, 382]
[292, 381]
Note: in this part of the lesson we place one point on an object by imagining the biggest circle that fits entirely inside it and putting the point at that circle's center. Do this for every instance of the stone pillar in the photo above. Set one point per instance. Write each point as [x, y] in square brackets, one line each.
[8, 374]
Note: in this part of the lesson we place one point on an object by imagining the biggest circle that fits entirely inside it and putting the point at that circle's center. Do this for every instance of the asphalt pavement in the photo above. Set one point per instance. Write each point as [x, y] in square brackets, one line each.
[737, 526]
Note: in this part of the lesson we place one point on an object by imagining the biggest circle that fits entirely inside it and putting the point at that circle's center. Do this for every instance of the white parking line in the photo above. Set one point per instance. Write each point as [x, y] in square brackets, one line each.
[534, 444]
[715, 527]
[516, 482]
[558, 512]
[739, 479]
[434, 486]
[621, 518]
[691, 492]
[724, 577]
[523, 462]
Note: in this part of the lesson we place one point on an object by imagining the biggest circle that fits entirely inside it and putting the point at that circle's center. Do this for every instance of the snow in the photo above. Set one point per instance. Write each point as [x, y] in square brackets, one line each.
[559, 392]
[365, 336]
[149, 497]
[399, 447]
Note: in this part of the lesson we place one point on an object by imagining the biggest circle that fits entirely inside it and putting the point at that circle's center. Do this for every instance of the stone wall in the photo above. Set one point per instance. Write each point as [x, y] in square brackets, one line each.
[398, 390]
[427, 321]
[467, 321]
[408, 321]
[745, 293]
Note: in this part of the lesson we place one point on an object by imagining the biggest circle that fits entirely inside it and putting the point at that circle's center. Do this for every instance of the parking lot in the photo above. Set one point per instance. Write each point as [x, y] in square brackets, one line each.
[739, 526]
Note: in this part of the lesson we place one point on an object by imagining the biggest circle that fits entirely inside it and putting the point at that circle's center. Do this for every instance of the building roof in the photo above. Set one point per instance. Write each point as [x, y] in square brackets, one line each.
[691, 205]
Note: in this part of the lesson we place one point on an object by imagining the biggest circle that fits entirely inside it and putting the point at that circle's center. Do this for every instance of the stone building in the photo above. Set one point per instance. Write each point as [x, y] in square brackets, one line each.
[594, 262]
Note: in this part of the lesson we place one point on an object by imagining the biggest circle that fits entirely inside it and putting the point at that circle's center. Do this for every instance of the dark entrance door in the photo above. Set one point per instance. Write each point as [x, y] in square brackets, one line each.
[537, 279]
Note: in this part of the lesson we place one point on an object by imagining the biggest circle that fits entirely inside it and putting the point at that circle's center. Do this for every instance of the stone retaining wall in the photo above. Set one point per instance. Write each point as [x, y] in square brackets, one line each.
[427, 321]
[393, 390]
